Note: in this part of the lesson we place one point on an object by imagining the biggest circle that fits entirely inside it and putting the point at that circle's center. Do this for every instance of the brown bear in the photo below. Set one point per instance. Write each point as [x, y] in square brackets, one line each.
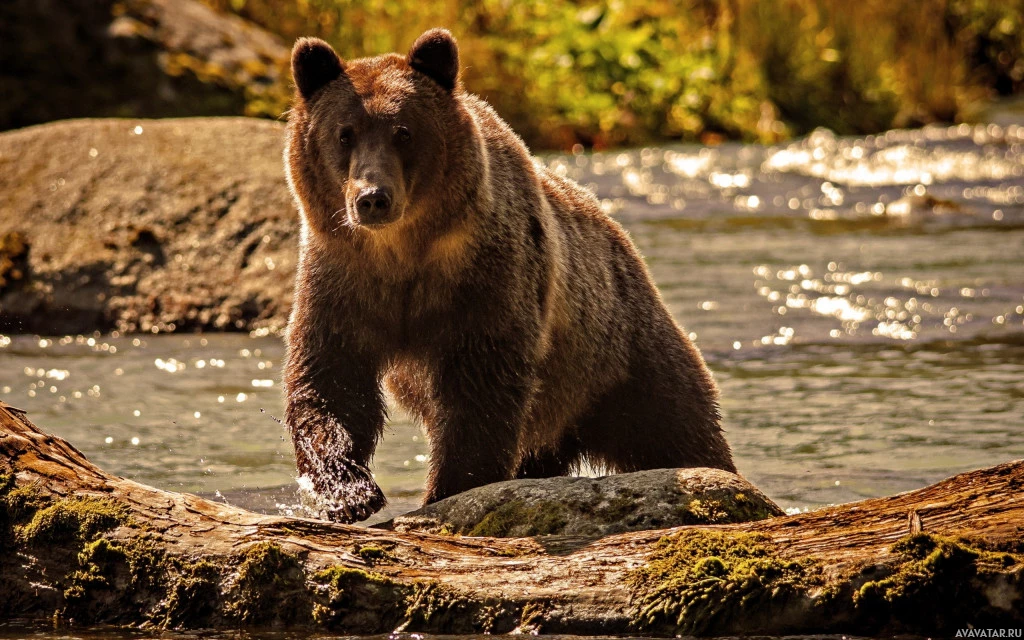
[494, 298]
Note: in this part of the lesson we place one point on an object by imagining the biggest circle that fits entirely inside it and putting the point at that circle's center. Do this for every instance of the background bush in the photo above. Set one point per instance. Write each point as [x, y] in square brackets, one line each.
[631, 72]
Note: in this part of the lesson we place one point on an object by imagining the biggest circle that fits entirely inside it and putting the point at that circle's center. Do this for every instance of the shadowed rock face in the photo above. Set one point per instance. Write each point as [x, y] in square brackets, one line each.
[655, 499]
[139, 58]
[138, 225]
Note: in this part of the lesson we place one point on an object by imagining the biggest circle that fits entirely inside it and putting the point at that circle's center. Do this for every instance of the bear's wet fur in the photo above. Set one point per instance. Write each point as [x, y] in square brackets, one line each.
[493, 297]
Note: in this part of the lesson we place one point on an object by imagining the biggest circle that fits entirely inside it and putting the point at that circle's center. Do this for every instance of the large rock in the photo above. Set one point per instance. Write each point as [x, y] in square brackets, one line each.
[654, 499]
[140, 225]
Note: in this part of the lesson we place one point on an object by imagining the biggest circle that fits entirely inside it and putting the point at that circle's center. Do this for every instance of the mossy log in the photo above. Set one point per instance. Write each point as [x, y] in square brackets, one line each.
[79, 546]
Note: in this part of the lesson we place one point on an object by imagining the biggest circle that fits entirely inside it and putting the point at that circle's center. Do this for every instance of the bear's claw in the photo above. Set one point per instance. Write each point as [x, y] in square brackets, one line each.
[348, 493]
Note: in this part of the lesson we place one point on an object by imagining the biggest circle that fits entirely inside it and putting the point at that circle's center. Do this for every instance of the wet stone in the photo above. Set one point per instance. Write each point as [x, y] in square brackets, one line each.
[654, 499]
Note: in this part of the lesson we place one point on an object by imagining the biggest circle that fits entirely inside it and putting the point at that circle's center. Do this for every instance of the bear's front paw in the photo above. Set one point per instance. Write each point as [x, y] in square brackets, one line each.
[347, 493]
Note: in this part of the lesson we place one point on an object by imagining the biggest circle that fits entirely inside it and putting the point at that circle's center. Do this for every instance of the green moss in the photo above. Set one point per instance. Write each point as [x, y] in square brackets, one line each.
[22, 502]
[724, 509]
[937, 583]
[270, 587]
[17, 505]
[6, 483]
[192, 596]
[82, 586]
[435, 607]
[705, 512]
[512, 552]
[715, 582]
[543, 518]
[532, 618]
[358, 601]
[618, 508]
[362, 602]
[698, 582]
[96, 560]
[1014, 547]
[6, 516]
[752, 510]
[133, 581]
[70, 519]
[341, 579]
[115, 580]
[372, 553]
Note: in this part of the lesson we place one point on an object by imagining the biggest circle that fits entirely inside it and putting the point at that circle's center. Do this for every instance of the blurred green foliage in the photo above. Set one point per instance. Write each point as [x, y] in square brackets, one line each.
[567, 72]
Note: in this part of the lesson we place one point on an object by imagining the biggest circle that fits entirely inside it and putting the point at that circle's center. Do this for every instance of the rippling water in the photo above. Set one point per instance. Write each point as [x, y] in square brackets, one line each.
[860, 300]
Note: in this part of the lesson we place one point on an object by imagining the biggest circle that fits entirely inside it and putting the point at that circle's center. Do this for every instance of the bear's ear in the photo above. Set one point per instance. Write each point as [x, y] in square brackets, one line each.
[435, 54]
[314, 64]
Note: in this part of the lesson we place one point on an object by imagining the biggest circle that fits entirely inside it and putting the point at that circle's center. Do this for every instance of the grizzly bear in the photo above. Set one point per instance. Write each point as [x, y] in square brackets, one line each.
[492, 297]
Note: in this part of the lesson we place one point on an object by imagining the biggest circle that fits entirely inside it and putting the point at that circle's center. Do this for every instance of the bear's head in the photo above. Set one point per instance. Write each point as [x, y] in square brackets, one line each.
[372, 141]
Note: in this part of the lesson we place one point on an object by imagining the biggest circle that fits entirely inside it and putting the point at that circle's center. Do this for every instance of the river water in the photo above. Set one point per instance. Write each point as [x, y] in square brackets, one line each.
[860, 301]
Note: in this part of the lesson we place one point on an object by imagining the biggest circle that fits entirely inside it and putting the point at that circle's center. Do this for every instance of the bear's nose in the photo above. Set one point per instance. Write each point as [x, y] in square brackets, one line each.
[373, 203]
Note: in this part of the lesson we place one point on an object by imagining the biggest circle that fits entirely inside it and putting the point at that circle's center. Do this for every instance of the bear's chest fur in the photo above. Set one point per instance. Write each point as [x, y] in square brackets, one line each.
[400, 300]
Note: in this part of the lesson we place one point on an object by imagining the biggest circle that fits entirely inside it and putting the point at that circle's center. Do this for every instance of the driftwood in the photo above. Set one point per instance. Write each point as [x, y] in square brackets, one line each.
[79, 546]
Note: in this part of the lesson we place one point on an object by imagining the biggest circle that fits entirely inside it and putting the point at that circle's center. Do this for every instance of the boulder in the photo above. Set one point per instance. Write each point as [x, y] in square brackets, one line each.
[145, 225]
[655, 499]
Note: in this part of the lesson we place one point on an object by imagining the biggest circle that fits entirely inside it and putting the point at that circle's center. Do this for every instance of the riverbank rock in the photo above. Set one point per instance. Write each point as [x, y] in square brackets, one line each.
[654, 499]
[145, 225]
[139, 58]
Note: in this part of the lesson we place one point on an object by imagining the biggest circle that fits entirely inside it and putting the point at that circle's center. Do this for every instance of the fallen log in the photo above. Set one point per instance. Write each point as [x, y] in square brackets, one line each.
[80, 546]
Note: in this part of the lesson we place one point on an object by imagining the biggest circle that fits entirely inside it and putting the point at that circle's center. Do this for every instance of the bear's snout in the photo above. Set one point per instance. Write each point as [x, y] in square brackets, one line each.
[374, 205]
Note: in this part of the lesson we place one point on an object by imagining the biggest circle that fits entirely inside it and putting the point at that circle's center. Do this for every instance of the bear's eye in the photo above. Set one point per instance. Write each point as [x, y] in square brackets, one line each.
[402, 134]
[345, 137]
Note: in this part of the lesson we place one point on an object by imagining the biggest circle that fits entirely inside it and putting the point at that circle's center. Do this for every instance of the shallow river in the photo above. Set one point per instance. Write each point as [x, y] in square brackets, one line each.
[860, 300]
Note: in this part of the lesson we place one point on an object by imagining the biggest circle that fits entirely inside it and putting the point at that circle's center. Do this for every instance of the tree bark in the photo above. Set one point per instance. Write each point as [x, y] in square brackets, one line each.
[81, 546]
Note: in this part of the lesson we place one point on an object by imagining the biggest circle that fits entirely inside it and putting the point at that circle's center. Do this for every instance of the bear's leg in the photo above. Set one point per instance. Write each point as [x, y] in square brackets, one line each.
[551, 463]
[335, 413]
[481, 396]
[664, 415]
